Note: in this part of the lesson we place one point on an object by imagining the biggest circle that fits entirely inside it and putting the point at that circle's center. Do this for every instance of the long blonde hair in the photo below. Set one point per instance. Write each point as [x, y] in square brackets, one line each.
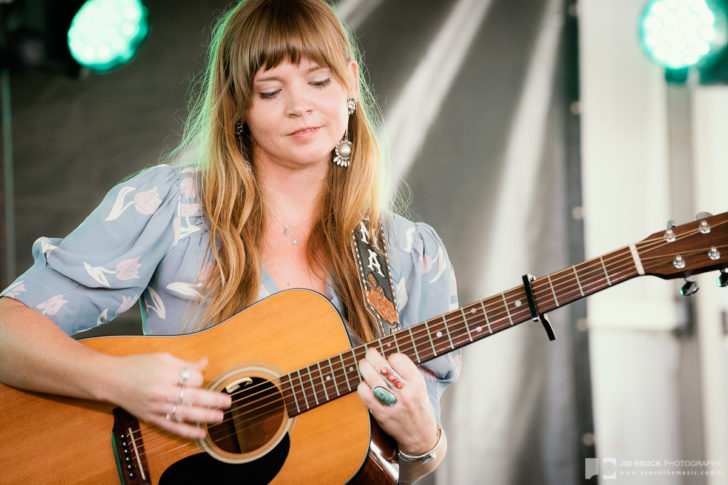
[251, 35]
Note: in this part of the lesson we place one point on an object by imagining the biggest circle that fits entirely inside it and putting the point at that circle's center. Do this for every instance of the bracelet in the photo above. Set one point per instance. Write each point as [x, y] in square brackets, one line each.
[425, 457]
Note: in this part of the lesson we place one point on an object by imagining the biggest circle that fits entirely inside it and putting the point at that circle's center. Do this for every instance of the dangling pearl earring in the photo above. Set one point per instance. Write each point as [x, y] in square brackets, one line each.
[342, 151]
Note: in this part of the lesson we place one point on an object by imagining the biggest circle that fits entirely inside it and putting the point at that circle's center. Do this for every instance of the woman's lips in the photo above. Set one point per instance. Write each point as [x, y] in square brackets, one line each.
[304, 132]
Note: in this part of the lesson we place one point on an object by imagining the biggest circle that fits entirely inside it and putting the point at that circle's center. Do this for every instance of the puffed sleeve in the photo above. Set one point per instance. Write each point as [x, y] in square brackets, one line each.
[99, 270]
[425, 287]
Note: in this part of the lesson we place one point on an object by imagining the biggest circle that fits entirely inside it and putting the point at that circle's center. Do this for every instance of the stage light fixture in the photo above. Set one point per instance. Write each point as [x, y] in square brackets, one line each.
[105, 34]
[680, 34]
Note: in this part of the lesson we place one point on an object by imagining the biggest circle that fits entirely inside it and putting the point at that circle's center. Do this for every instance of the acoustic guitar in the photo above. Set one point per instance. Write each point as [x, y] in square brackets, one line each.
[288, 365]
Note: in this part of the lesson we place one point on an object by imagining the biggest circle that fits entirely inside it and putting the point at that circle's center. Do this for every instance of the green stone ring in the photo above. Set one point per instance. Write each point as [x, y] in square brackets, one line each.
[385, 396]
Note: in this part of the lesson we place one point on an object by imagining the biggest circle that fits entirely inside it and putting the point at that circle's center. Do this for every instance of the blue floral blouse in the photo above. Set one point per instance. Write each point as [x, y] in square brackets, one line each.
[148, 241]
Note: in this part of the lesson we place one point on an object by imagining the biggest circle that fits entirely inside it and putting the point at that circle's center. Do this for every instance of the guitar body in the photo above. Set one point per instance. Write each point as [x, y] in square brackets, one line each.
[63, 440]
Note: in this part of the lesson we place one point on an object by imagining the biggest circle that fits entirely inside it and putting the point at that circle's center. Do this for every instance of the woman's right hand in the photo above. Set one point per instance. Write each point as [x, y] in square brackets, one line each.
[164, 390]
[36, 355]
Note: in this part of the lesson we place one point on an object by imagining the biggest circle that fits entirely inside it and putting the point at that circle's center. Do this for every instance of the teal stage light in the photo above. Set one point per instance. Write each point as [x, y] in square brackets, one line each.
[681, 34]
[106, 34]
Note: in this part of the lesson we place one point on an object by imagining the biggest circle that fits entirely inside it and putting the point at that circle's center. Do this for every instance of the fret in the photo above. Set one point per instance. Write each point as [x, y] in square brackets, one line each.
[294, 393]
[520, 305]
[508, 312]
[447, 330]
[389, 344]
[313, 386]
[604, 267]
[396, 344]
[485, 315]
[414, 345]
[553, 292]
[577, 281]
[465, 322]
[343, 368]
[303, 389]
[592, 278]
[438, 336]
[381, 348]
[356, 365]
[615, 263]
[333, 376]
[323, 382]
[429, 336]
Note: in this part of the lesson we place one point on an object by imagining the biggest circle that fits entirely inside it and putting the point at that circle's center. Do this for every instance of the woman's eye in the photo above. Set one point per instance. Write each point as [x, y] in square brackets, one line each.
[268, 94]
[322, 83]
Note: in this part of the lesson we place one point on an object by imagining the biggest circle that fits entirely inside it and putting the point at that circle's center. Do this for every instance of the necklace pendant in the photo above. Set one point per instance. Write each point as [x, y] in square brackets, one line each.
[289, 235]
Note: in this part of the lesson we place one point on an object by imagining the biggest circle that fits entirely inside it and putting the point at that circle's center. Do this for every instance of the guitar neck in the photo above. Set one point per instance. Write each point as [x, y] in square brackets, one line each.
[338, 375]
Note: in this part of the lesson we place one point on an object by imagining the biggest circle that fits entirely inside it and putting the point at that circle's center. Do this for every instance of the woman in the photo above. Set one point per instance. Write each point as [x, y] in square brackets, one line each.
[284, 167]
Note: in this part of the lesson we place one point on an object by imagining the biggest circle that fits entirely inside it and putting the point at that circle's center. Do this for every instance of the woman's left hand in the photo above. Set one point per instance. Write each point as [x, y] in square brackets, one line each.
[411, 419]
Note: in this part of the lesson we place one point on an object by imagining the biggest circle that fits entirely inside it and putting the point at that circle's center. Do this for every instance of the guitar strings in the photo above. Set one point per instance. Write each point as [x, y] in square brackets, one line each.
[622, 257]
[496, 317]
[258, 416]
[585, 276]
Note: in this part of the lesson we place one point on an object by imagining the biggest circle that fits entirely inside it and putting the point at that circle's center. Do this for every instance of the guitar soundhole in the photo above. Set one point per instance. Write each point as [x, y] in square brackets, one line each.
[253, 419]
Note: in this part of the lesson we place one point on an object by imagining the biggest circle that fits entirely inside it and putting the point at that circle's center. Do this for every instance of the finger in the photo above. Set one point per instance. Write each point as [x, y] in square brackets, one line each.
[208, 399]
[366, 394]
[370, 400]
[182, 429]
[375, 358]
[404, 366]
[369, 374]
[196, 414]
[200, 365]
[383, 367]
[385, 371]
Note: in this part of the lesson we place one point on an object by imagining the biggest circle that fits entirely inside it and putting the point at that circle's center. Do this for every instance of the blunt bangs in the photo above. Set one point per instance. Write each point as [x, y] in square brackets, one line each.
[289, 30]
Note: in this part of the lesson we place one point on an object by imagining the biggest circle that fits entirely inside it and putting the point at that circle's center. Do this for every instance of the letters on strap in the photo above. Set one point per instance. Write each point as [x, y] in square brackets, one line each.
[375, 278]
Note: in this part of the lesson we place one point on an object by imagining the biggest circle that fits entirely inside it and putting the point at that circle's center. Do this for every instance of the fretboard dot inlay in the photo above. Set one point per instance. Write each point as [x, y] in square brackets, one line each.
[351, 369]
[438, 334]
[472, 310]
[328, 378]
[478, 329]
[517, 303]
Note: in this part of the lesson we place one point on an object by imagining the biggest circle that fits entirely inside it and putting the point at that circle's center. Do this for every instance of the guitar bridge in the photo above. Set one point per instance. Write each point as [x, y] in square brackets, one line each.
[129, 449]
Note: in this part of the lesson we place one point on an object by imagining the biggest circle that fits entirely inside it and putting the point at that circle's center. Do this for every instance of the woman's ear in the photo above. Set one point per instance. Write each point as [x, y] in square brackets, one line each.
[353, 79]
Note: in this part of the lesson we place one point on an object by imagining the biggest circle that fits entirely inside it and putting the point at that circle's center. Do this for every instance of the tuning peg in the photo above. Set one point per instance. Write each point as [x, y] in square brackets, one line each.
[723, 278]
[670, 234]
[689, 288]
[703, 227]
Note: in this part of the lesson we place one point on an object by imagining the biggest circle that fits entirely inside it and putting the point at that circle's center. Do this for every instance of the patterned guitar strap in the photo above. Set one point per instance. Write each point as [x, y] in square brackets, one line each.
[375, 278]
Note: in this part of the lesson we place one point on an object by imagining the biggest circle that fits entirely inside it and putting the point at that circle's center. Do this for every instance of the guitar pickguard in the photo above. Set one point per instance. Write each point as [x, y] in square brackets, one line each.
[202, 468]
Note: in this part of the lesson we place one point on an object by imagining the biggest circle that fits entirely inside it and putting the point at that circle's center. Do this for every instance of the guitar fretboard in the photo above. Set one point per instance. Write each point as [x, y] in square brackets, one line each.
[323, 381]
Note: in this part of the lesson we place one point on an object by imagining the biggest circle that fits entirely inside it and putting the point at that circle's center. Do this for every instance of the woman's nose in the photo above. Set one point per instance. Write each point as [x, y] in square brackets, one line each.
[298, 104]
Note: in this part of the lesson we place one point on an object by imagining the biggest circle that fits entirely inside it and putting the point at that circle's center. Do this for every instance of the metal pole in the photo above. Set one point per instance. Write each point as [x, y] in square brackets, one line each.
[9, 189]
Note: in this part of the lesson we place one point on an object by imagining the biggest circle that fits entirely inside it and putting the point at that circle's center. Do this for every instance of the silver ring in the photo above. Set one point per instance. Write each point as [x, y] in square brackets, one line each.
[184, 374]
[393, 380]
[173, 414]
[181, 395]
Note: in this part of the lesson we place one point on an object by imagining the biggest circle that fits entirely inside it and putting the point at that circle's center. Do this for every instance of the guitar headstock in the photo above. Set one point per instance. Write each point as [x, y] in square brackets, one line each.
[691, 248]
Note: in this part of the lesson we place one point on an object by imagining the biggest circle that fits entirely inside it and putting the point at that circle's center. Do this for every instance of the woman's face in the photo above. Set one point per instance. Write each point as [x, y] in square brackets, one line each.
[298, 114]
